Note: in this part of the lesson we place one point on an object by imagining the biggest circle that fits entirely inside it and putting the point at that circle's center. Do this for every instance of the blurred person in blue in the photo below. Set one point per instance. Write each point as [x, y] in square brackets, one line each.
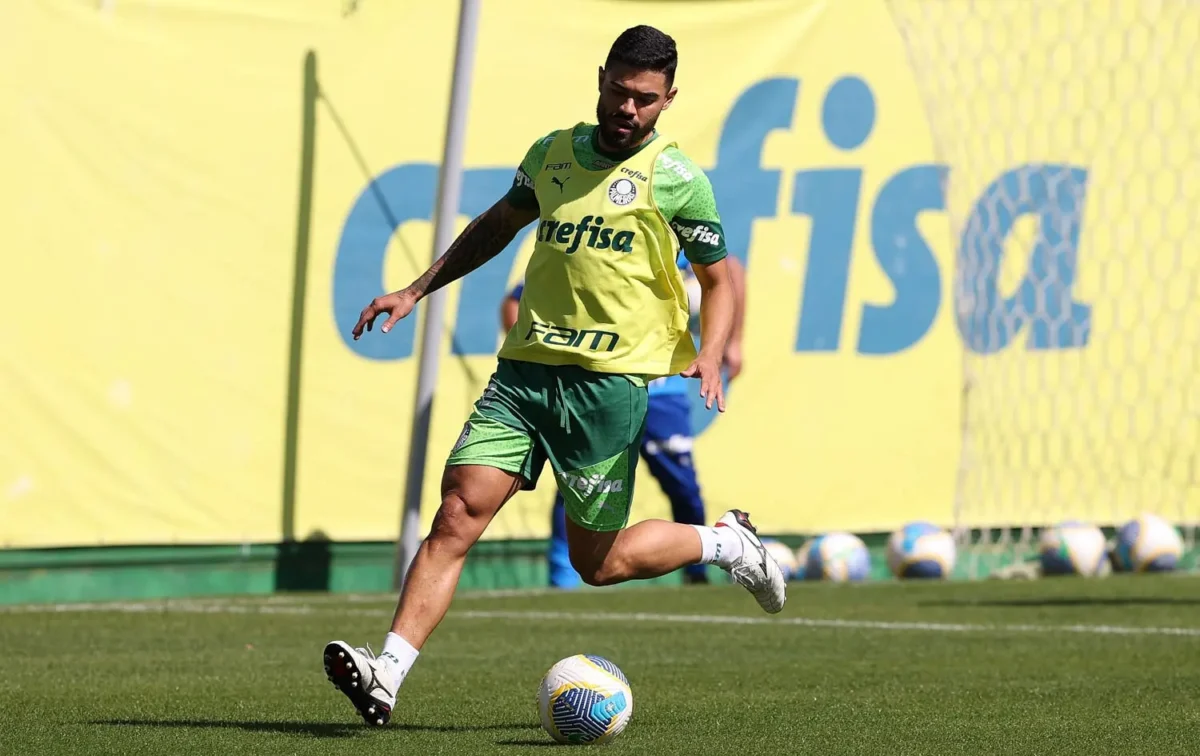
[667, 442]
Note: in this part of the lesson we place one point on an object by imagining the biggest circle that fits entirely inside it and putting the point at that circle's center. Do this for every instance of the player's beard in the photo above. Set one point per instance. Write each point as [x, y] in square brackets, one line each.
[612, 138]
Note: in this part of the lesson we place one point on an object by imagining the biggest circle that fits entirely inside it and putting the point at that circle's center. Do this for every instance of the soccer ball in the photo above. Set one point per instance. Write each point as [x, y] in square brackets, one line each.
[837, 557]
[585, 699]
[785, 557]
[1147, 544]
[1073, 548]
[921, 550]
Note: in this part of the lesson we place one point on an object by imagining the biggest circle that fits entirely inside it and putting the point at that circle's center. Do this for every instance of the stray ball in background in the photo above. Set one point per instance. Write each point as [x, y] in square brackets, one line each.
[1073, 548]
[1147, 544]
[584, 699]
[837, 557]
[784, 556]
[921, 550]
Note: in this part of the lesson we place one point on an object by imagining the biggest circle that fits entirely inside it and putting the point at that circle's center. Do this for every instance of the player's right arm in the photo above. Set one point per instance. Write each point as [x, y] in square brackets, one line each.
[482, 239]
[733, 348]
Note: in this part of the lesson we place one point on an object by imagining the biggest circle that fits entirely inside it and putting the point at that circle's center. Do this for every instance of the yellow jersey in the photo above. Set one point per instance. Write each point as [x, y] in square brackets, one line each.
[602, 288]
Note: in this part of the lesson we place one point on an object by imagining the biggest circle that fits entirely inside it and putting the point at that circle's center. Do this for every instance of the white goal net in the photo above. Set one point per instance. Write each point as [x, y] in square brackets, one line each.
[1077, 284]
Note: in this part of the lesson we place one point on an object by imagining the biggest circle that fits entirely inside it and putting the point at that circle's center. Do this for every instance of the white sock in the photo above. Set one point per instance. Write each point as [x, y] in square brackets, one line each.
[720, 546]
[398, 655]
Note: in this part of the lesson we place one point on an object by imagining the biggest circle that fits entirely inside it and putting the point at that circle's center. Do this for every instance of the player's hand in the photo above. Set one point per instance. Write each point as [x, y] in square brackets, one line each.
[708, 370]
[397, 305]
[732, 360]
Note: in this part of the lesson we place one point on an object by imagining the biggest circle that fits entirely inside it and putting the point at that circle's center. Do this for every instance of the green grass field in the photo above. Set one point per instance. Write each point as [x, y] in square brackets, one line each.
[1060, 666]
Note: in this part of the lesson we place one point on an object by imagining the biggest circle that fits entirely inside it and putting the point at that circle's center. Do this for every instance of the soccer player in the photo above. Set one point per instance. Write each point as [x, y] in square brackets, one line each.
[604, 311]
[667, 442]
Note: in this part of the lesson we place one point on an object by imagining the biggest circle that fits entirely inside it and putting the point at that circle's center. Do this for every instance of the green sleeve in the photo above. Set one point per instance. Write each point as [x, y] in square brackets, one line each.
[685, 197]
[520, 194]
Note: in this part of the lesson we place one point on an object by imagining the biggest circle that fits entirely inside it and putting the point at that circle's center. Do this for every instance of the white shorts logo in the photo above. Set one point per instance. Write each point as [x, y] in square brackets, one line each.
[589, 485]
[622, 191]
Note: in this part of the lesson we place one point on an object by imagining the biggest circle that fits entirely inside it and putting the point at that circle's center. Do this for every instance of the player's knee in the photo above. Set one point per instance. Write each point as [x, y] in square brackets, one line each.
[608, 570]
[454, 529]
[598, 577]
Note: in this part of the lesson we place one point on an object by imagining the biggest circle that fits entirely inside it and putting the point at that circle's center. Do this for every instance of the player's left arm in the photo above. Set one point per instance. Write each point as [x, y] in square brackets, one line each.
[685, 196]
[717, 306]
[733, 348]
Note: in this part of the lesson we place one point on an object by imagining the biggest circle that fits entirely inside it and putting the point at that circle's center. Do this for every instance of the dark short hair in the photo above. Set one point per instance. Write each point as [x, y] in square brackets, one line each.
[645, 48]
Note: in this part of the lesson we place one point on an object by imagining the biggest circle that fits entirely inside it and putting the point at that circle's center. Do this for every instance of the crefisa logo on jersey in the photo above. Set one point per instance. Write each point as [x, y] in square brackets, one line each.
[589, 231]
[701, 233]
[636, 174]
[622, 191]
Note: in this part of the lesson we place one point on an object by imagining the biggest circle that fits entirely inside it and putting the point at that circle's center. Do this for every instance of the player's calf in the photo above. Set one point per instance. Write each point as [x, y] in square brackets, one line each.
[646, 550]
[471, 496]
[657, 547]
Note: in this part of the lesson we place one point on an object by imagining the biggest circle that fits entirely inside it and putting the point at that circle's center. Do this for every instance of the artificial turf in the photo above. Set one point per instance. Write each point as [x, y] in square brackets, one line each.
[1060, 666]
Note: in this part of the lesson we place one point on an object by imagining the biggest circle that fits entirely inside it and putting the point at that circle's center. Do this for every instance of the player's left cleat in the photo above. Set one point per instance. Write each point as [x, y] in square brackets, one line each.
[363, 679]
[755, 570]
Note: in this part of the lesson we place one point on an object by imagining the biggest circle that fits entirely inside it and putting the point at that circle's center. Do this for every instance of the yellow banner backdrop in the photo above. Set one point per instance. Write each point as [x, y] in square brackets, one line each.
[972, 254]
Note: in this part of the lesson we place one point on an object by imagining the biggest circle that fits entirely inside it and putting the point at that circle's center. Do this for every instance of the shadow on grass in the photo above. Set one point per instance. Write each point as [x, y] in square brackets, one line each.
[1070, 601]
[526, 743]
[311, 729]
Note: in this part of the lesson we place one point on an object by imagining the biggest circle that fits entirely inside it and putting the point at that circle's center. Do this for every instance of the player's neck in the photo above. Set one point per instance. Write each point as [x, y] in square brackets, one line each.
[605, 150]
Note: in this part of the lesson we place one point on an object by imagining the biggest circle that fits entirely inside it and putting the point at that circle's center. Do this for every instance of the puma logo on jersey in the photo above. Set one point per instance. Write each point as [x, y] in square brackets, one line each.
[562, 185]
[589, 230]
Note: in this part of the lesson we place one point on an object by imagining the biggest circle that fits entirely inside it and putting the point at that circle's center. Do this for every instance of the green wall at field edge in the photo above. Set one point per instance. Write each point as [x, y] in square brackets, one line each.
[157, 572]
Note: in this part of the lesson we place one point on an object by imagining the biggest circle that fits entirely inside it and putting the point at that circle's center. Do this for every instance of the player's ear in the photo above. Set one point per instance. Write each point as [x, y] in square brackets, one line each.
[670, 98]
[600, 80]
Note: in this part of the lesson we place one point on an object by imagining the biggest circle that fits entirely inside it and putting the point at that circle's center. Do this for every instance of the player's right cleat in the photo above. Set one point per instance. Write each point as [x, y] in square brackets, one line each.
[363, 679]
[755, 570]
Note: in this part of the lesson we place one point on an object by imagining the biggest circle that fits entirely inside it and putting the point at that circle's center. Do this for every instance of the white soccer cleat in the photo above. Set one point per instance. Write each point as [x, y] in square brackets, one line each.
[755, 570]
[365, 680]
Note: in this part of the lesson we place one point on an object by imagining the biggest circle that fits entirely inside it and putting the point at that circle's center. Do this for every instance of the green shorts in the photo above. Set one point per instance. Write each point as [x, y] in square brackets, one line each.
[587, 424]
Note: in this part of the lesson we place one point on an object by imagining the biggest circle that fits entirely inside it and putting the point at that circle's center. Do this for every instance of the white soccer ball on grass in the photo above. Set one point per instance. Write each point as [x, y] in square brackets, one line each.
[585, 699]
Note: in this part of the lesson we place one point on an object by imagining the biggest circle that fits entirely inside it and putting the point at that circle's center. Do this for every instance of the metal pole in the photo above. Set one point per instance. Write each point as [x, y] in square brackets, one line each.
[446, 213]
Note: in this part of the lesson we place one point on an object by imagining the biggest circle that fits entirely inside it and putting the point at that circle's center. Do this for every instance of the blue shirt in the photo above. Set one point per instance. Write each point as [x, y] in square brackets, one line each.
[668, 384]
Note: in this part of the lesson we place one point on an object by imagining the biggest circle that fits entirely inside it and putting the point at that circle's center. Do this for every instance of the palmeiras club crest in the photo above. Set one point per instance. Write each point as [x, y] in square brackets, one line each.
[622, 191]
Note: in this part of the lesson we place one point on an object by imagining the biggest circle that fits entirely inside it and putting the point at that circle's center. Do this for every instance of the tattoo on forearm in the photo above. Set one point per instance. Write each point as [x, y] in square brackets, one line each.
[482, 239]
